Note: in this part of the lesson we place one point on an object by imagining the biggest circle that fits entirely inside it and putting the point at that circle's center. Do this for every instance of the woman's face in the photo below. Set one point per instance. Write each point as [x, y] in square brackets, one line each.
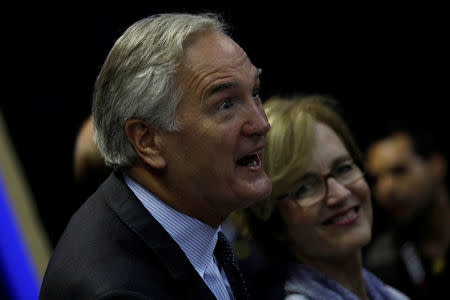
[340, 223]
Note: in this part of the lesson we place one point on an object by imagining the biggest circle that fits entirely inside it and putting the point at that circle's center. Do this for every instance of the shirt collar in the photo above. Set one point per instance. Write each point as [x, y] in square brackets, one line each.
[195, 238]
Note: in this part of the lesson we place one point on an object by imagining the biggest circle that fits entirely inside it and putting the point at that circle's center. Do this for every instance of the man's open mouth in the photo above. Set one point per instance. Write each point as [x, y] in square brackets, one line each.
[250, 160]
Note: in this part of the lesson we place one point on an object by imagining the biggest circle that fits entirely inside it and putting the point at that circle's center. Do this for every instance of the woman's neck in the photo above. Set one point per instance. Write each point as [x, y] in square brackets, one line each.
[346, 271]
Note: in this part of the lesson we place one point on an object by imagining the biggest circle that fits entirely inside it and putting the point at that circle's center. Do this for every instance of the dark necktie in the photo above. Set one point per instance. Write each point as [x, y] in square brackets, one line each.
[225, 257]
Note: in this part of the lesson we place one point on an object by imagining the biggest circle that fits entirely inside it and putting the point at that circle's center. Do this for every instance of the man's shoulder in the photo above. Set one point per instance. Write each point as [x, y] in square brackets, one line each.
[112, 245]
[98, 251]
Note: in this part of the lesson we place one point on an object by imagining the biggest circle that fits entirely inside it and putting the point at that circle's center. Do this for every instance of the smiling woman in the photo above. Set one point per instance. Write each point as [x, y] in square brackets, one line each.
[319, 214]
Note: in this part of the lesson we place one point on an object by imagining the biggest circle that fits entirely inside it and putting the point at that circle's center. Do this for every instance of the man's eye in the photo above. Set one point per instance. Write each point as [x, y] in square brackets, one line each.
[225, 105]
[255, 93]
[399, 170]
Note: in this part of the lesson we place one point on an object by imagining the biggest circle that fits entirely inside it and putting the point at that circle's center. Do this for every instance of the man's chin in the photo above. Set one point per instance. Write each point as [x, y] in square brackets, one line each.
[256, 193]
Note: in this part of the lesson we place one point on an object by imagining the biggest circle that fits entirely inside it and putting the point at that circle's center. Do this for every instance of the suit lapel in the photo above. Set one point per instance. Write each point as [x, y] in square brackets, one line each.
[131, 211]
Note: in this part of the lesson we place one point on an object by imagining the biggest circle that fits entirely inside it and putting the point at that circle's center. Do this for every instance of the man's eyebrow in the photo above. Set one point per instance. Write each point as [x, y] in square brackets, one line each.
[221, 87]
[229, 85]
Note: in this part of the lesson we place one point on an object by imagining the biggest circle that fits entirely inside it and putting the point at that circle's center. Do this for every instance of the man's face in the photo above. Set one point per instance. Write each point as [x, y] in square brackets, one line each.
[215, 160]
[403, 181]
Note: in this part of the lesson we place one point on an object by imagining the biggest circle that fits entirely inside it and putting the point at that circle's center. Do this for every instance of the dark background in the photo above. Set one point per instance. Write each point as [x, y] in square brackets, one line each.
[378, 61]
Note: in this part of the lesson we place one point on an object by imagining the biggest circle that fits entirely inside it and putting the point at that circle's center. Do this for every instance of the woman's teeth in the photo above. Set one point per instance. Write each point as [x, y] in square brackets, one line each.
[347, 218]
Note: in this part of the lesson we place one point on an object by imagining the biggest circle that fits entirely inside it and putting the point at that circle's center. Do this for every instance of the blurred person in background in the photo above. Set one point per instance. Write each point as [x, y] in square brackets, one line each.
[89, 167]
[408, 171]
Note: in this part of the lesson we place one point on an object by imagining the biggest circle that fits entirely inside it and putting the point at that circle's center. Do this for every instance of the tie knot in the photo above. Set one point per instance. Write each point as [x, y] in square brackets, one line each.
[223, 247]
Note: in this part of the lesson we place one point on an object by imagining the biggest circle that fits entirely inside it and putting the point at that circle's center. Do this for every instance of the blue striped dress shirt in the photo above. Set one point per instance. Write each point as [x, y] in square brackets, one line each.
[195, 238]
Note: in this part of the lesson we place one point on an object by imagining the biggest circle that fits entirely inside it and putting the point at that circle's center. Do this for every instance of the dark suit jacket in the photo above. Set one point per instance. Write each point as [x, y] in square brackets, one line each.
[113, 248]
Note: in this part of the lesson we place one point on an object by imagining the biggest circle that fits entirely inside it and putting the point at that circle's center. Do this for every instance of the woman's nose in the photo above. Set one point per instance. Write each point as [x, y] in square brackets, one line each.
[337, 192]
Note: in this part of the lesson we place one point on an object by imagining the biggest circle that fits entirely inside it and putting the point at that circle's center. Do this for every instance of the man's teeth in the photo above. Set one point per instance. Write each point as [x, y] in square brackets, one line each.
[253, 163]
[250, 160]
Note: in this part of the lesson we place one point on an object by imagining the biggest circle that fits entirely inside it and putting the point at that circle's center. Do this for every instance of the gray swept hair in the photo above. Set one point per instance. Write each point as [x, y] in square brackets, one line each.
[137, 80]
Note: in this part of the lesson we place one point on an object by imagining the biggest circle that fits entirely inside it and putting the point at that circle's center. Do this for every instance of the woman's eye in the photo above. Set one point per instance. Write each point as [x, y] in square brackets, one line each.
[302, 191]
[343, 169]
[307, 187]
[225, 105]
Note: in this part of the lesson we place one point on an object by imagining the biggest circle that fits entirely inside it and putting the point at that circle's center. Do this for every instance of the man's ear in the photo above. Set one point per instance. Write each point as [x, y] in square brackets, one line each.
[439, 166]
[146, 141]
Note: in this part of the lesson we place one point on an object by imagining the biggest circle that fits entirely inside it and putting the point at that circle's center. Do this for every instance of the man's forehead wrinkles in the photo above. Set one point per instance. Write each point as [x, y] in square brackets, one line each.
[227, 80]
[209, 78]
[201, 77]
[199, 74]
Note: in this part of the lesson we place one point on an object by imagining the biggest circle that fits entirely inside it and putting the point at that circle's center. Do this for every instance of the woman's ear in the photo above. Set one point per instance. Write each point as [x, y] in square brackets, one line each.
[146, 142]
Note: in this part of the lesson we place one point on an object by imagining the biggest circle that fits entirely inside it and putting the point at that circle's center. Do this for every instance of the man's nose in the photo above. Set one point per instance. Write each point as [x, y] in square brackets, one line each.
[256, 123]
[384, 186]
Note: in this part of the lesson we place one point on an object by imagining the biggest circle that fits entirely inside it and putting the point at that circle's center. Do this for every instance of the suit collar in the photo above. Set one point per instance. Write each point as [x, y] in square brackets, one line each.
[196, 238]
[131, 211]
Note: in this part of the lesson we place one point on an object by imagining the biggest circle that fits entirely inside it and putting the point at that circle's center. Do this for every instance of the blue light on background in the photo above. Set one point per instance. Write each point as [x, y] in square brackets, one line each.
[17, 267]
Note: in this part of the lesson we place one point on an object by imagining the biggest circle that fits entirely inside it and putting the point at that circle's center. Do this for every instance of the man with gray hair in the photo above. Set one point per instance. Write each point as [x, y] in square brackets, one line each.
[178, 117]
